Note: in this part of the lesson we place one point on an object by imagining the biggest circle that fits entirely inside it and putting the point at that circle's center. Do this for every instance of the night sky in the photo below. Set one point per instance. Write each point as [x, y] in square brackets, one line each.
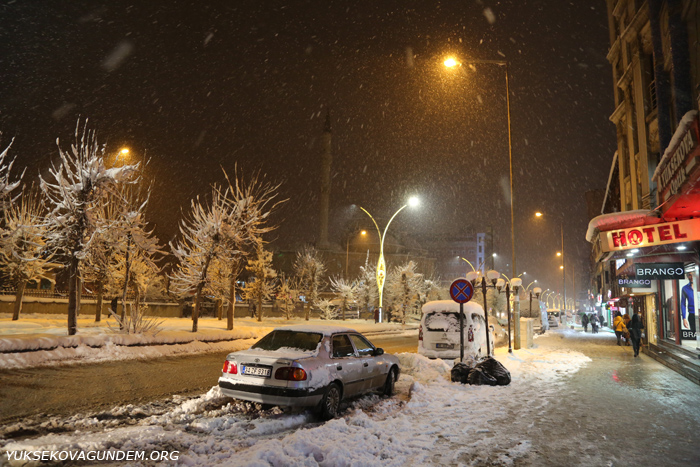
[200, 85]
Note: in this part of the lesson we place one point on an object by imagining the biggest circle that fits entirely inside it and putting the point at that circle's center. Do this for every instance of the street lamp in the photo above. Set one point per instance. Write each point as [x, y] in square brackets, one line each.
[451, 62]
[381, 264]
[559, 254]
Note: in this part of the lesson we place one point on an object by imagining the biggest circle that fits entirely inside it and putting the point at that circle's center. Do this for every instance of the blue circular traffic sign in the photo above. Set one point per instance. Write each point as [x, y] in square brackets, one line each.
[461, 291]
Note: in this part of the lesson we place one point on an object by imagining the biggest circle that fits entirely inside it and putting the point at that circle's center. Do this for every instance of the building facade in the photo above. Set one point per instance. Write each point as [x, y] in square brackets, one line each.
[645, 242]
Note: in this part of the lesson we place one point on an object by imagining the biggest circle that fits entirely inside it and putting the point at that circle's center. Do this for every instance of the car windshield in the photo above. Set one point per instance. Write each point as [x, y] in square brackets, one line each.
[442, 321]
[276, 340]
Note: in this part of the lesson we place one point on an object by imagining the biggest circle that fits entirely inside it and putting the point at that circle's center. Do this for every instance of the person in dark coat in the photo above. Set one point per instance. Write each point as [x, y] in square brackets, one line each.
[584, 322]
[635, 329]
[594, 323]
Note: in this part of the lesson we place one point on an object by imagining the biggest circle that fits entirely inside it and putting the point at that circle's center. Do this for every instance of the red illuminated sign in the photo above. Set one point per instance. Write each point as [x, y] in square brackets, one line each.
[659, 234]
[684, 161]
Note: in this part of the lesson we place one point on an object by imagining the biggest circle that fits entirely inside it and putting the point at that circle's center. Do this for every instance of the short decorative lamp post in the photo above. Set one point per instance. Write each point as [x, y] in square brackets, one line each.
[493, 277]
[516, 282]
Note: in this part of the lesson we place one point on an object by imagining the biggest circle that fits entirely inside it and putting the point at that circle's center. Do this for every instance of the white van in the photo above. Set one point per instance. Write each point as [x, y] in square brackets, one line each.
[553, 317]
[438, 335]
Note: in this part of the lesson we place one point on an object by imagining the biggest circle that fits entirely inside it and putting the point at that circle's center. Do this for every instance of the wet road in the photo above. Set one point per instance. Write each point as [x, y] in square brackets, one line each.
[64, 390]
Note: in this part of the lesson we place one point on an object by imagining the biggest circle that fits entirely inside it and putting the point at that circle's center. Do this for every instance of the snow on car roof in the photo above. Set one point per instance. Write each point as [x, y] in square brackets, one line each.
[326, 330]
[449, 305]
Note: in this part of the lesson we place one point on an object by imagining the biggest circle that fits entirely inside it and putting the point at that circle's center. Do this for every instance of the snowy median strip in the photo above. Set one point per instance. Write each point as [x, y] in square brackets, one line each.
[430, 421]
[39, 340]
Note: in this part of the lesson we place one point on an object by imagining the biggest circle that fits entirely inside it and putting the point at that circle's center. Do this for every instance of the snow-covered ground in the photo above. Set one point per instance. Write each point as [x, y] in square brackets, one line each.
[430, 421]
[36, 340]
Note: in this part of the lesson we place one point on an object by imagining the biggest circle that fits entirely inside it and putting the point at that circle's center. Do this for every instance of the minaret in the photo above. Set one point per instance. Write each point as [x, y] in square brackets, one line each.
[326, 160]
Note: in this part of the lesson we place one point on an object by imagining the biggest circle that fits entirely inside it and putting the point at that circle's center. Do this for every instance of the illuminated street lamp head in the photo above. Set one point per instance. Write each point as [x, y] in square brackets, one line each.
[124, 151]
[561, 267]
[558, 253]
[451, 62]
[494, 255]
[364, 232]
[413, 201]
[538, 214]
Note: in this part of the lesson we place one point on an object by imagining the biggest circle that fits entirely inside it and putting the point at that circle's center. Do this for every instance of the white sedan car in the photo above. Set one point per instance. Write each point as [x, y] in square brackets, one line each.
[309, 366]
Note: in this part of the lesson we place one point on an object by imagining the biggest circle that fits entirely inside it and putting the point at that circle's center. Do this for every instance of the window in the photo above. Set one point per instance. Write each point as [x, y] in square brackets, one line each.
[342, 347]
[276, 340]
[364, 348]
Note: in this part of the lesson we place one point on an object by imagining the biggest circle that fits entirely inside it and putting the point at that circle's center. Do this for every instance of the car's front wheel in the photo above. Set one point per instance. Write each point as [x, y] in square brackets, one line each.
[330, 402]
[389, 385]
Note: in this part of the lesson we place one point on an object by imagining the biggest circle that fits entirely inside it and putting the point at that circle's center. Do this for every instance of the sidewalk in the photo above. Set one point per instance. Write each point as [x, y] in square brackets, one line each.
[37, 340]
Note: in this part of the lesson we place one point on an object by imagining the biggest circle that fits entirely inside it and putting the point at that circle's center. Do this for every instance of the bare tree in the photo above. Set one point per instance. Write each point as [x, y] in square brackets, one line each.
[262, 284]
[309, 269]
[235, 218]
[367, 294]
[288, 293]
[346, 291]
[326, 307]
[137, 252]
[76, 185]
[404, 286]
[23, 241]
[222, 285]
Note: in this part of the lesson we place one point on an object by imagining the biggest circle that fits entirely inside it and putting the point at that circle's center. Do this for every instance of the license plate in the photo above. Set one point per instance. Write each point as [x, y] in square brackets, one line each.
[256, 371]
[444, 346]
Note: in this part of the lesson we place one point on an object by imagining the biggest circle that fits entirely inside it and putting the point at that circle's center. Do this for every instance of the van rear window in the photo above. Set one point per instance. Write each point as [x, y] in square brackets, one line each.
[442, 321]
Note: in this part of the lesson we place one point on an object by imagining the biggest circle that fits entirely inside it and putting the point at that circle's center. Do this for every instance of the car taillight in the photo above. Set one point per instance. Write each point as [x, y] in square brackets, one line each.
[420, 332]
[290, 373]
[230, 367]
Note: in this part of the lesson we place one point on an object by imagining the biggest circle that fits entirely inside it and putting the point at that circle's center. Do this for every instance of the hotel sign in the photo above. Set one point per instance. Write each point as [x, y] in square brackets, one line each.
[681, 164]
[651, 235]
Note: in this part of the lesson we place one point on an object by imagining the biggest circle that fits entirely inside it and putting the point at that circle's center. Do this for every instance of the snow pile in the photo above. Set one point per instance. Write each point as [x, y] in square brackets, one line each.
[430, 421]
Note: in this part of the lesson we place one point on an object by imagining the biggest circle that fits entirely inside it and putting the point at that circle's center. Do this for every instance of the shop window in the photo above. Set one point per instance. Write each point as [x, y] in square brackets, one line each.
[669, 306]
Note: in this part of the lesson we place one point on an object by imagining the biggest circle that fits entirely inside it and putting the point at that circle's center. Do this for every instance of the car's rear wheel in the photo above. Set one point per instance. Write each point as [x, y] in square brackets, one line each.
[389, 385]
[330, 402]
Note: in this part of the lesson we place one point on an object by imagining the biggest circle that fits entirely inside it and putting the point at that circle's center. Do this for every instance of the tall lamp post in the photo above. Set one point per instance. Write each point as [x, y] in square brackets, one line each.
[563, 269]
[347, 252]
[452, 63]
[381, 264]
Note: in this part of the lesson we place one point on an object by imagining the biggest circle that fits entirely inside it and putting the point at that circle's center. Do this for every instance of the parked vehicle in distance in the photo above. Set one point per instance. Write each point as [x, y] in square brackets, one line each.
[553, 317]
[309, 366]
[438, 334]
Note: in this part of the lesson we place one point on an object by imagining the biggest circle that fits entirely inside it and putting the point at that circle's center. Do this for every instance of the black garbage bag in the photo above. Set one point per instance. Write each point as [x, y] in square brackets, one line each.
[479, 377]
[460, 373]
[496, 370]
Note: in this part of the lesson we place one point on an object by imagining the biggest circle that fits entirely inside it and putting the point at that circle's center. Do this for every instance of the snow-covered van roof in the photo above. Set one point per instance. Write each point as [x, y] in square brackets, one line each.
[326, 330]
[449, 305]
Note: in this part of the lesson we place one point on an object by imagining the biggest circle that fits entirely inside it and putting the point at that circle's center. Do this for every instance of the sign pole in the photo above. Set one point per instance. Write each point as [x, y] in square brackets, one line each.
[461, 332]
[461, 292]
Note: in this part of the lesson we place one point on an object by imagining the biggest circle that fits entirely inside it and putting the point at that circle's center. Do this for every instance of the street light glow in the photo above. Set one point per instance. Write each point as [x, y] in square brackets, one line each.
[124, 151]
[364, 232]
[558, 253]
[413, 201]
[538, 214]
[451, 62]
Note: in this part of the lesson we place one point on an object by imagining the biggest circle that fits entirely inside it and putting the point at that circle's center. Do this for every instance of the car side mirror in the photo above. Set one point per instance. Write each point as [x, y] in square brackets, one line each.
[378, 351]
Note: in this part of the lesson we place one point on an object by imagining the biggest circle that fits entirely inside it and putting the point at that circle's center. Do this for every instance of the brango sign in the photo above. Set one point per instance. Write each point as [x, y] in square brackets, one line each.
[659, 271]
[650, 235]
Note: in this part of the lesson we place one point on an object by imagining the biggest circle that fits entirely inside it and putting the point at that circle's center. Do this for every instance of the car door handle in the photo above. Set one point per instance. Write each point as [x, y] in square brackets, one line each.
[339, 367]
[365, 364]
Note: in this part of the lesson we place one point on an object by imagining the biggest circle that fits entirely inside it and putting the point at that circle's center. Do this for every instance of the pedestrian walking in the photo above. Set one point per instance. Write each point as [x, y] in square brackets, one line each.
[619, 326]
[635, 328]
[594, 323]
[584, 322]
[625, 333]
